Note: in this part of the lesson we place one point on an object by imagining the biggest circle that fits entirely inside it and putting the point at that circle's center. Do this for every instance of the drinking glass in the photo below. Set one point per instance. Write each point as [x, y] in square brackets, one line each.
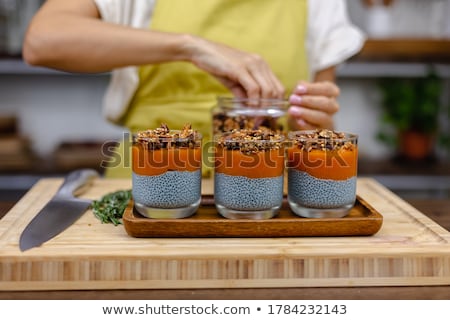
[166, 175]
[322, 172]
[248, 178]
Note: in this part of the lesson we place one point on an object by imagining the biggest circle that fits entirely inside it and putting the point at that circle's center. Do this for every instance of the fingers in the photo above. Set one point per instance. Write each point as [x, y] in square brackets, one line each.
[270, 86]
[324, 88]
[313, 105]
[304, 118]
[321, 103]
[258, 80]
[236, 89]
[236, 69]
[249, 85]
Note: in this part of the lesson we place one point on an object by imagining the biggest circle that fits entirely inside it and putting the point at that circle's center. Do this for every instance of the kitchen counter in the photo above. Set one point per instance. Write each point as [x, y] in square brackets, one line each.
[409, 258]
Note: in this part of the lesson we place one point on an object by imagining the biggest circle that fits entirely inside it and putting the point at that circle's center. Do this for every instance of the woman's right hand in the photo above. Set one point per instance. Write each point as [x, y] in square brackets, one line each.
[245, 74]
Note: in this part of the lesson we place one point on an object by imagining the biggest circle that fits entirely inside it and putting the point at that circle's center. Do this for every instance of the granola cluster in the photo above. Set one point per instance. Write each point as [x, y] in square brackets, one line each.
[164, 138]
[322, 139]
[250, 141]
[224, 123]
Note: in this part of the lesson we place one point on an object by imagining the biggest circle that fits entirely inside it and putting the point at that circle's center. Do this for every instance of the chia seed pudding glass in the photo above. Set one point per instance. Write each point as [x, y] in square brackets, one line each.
[242, 113]
[248, 178]
[166, 172]
[322, 172]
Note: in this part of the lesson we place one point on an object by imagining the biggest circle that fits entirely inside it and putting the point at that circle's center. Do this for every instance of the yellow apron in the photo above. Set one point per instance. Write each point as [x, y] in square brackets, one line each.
[178, 92]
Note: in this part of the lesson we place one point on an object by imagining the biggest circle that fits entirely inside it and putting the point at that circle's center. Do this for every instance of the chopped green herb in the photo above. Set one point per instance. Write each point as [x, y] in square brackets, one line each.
[110, 208]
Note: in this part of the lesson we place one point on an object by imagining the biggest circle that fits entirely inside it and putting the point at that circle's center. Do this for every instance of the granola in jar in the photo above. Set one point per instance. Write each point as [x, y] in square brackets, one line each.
[239, 113]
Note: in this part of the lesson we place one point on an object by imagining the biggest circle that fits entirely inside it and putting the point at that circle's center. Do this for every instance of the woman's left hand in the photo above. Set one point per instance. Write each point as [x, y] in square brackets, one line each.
[313, 105]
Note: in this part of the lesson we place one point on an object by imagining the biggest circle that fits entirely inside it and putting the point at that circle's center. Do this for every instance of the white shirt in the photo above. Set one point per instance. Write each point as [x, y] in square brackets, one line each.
[331, 39]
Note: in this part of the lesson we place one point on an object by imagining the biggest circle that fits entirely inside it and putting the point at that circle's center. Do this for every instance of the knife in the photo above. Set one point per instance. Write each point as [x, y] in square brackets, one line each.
[60, 212]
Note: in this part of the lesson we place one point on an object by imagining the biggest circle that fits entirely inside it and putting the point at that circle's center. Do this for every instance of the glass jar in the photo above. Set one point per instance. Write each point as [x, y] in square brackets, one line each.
[322, 173]
[242, 113]
[166, 175]
[249, 174]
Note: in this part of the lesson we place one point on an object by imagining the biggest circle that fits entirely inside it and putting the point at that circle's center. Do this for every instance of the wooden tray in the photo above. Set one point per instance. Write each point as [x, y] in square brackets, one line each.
[362, 220]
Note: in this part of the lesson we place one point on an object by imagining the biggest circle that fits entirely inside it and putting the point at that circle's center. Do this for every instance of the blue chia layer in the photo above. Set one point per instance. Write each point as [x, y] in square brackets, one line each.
[173, 189]
[242, 193]
[311, 192]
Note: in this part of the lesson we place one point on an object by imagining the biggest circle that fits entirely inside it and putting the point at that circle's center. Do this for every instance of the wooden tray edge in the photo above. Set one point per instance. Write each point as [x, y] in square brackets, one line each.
[142, 227]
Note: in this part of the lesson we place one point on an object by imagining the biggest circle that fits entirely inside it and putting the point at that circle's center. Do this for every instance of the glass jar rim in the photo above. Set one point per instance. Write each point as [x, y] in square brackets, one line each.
[264, 103]
[281, 139]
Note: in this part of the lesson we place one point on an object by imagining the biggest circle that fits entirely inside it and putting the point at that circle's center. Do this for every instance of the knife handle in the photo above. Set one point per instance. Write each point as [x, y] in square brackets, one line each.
[76, 181]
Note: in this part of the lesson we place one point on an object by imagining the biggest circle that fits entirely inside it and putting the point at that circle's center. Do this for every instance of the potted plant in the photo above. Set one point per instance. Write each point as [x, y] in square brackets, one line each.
[410, 118]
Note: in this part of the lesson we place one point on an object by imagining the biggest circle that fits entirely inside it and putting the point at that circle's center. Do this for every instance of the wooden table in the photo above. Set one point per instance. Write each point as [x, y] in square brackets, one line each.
[409, 258]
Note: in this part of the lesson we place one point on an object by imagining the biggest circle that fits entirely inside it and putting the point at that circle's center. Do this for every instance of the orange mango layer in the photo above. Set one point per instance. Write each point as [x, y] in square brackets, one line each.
[264, 164]
[155, 162]
[335, 165]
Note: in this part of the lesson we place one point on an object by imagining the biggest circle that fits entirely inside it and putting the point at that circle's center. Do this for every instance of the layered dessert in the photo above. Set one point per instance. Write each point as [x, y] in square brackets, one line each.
[322, 173]
[248, 179]
[166, 172]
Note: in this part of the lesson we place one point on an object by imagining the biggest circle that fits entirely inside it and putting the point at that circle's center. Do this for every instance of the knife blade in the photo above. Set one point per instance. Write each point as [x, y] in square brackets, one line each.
[60, 212]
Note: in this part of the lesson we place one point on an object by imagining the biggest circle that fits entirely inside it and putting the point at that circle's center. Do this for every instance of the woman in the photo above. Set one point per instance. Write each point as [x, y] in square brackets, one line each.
[172, 58]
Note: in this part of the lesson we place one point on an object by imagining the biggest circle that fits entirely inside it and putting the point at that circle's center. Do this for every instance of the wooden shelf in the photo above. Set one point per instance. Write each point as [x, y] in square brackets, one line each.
[400, 49]
[398, 166]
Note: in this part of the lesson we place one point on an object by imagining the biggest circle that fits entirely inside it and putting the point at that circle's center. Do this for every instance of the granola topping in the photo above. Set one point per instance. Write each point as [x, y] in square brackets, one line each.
[250, 141]
[224, 123]
[322, 139]
[164, 138]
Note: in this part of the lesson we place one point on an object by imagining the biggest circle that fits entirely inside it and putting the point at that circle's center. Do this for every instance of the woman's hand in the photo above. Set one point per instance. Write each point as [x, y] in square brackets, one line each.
[313, 105]
[245, 74]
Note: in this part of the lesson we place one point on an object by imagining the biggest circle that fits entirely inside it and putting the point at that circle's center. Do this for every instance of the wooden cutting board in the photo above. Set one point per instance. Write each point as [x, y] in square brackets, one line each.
[409, 249]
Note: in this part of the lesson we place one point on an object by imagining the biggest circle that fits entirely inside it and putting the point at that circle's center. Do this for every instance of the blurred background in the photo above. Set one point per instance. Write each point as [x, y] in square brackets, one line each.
[396, 89]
